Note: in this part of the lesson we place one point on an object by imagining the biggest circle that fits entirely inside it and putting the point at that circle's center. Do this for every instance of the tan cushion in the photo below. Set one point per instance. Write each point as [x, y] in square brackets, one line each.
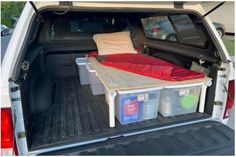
[114, 43]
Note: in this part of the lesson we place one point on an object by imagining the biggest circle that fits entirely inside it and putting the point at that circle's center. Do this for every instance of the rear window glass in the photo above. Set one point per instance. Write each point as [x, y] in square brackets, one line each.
[175, 28]
[62, 28]
[185, 28]
[158, 27]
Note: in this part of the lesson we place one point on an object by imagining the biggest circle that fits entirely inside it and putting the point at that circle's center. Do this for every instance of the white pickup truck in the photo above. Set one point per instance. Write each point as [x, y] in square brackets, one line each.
[45, 110]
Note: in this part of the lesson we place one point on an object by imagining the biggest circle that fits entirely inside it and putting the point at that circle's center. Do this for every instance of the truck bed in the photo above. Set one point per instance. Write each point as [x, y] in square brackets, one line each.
[203, 138]
[78, 116]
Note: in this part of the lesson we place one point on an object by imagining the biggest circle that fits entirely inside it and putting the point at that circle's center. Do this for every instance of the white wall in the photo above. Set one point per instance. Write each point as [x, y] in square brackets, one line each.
[224, 14]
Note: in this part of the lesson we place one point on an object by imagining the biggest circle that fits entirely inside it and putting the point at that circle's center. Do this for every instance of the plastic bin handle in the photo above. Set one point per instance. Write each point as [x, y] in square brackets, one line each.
[90, 68]
[81, 61]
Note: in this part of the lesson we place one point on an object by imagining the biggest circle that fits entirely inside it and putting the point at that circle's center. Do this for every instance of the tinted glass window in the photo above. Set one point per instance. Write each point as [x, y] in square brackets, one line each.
[186, 29]
[176, 28]
[62, 28]
[159, 27]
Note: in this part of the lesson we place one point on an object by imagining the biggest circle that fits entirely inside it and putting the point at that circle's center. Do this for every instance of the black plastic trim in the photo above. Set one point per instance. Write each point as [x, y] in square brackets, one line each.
[14, 89]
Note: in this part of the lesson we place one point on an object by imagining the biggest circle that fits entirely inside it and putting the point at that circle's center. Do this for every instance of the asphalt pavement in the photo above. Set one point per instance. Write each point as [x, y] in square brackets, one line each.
[231, 122]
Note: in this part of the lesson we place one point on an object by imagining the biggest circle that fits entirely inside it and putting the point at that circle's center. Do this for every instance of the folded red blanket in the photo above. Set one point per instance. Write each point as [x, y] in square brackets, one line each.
[150, 66]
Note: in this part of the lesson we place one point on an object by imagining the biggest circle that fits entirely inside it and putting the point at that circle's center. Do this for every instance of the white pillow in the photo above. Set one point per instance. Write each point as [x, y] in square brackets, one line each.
[114, 43]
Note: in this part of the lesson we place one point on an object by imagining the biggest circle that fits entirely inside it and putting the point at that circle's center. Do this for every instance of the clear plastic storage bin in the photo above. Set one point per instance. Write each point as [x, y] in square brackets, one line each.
[137, 105]
[177, 101]
[94, 82]
[83, 72]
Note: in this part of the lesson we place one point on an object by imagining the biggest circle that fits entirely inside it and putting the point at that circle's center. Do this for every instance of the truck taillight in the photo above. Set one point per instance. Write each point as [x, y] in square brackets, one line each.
[7, 139]
[230, 99]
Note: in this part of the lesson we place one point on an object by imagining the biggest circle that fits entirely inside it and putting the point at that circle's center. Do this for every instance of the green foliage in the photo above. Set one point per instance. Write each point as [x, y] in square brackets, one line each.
[229, 43]
[11, 9]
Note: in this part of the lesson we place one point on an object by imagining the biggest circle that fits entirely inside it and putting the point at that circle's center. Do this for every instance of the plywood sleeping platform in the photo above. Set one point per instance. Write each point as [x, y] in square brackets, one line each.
[115, 80]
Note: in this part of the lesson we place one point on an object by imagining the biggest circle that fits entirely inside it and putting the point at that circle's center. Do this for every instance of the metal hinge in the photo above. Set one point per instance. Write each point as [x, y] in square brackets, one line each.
[25, 65]
[224, 76]
[67, 3]
[221, 69]
[15, 99]
[25, 68]
[220, 103]
[14, 89]
[64, 4]
[21, 134]
[179, 5]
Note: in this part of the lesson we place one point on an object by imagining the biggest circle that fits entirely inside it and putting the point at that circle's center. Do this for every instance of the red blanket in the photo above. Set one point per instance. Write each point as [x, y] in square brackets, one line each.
[149, 66]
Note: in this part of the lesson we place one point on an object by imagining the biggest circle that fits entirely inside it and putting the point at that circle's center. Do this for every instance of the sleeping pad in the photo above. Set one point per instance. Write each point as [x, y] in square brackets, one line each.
[147, 66]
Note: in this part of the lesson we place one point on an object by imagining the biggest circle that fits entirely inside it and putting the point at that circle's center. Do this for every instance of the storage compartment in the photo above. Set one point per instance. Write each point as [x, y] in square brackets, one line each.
[94, 82]
[177, 101]
[77, 115]
[136, 105]
[83, 72]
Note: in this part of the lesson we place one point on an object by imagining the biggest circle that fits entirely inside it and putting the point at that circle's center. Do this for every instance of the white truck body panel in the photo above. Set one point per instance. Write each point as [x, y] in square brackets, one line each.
[12, 52]
[19, 34]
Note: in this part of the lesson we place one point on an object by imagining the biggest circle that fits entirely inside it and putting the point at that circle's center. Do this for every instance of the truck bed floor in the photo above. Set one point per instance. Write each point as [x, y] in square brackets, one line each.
[202, 138]
[78, 116]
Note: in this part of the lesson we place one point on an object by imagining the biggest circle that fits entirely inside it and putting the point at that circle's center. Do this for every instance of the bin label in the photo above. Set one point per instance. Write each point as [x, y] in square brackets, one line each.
[183, 92]
[142, 97]
[131, 107]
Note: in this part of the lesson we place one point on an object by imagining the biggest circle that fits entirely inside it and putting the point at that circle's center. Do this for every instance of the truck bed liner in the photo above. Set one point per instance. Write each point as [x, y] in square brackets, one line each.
[204, 138]
[78, 116]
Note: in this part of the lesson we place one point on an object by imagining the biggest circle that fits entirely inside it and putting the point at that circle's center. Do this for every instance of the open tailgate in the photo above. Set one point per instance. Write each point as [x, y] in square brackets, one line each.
[203, 138]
